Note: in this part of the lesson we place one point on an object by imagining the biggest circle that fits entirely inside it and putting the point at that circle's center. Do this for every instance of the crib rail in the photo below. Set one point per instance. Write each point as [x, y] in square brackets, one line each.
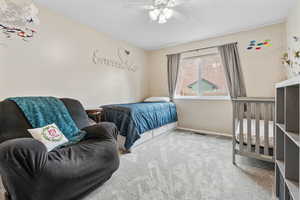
[245, 111]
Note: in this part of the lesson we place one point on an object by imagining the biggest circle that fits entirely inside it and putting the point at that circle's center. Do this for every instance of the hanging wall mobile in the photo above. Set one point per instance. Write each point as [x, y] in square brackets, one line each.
[17, 18]
[259, 45]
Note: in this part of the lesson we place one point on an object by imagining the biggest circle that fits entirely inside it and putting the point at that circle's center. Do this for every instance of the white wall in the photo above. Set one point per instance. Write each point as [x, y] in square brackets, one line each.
[262, 69]
[58, 62]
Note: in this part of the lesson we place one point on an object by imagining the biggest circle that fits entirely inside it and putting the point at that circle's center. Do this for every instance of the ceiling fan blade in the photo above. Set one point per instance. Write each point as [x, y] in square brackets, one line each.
[149, 4]
[184, 2]
[180, 16]
[147, 7]
[137, 3]
[139, 7]
[172, 3]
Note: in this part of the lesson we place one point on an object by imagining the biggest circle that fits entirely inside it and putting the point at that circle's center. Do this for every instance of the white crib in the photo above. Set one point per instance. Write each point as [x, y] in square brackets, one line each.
[253, 128]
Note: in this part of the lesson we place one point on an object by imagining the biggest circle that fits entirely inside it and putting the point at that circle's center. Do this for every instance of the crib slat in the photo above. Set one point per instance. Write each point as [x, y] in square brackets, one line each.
[249, 130]
[234, 117]
[273, 126]
[257, 127]
[266, 135]
[241, 123]
[272, 112]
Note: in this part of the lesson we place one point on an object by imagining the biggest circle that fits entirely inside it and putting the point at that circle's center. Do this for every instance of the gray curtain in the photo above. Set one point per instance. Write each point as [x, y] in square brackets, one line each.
[233, 70]
[173, 68]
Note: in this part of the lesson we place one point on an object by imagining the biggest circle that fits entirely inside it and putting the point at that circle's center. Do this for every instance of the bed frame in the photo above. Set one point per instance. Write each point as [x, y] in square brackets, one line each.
[147, 136]
[253, 109]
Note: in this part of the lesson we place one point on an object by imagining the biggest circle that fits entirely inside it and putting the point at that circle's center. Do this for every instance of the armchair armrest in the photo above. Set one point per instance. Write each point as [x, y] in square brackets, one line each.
[22, 155]
[103, 130]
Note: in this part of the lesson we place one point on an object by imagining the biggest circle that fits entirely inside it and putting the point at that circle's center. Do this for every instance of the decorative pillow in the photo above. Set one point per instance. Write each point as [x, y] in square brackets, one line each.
[49, 135]
[157, 99]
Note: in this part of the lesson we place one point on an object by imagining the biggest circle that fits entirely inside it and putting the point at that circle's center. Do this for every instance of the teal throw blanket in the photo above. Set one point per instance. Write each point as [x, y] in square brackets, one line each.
[42, 111]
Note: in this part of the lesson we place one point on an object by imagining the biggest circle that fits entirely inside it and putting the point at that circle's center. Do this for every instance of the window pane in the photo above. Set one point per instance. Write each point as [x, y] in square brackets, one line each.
[202, 76]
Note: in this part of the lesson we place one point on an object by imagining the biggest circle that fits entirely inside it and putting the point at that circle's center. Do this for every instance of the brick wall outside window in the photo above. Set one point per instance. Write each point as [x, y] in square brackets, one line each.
[212, 80]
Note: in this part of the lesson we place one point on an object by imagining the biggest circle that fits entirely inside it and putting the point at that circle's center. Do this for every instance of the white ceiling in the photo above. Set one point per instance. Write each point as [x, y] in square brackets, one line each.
[194, 19]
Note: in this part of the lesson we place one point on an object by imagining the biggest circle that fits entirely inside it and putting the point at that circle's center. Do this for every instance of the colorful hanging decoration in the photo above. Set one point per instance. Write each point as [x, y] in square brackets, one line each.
[24, 34]
[16, 17]
[254, 45]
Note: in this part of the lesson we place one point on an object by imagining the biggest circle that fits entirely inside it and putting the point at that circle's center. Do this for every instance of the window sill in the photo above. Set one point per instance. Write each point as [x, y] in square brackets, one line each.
[207, 98]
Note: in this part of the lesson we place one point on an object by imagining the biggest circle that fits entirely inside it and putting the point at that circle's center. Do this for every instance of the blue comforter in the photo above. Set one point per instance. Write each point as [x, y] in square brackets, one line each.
[135, 119]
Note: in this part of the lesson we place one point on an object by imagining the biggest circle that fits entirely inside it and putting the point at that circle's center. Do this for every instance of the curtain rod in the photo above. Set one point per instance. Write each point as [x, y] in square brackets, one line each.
[204, 48]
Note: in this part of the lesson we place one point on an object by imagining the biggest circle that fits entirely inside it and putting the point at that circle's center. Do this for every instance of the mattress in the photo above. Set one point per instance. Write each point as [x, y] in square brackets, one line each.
[253, 133]
[135, 119]
[149, 135]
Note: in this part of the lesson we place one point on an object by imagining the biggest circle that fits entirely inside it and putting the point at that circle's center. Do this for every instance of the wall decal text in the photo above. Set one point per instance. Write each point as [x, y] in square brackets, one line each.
[124, 60]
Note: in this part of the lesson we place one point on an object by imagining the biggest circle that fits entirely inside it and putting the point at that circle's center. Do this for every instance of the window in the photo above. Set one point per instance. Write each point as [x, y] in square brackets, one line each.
[202, 75]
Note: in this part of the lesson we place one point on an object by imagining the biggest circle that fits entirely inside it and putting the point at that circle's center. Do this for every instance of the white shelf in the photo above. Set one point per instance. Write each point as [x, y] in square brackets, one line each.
[293, 136]
[293, 188]
[281, 126]
[290, 82]
[280, 165]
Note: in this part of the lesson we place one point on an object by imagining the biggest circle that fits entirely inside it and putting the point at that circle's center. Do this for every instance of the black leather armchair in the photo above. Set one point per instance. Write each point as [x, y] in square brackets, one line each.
[29, 172]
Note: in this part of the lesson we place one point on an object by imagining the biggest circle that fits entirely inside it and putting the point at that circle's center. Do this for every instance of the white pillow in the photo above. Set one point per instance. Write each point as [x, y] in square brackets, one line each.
[157, 99]
[49, 135]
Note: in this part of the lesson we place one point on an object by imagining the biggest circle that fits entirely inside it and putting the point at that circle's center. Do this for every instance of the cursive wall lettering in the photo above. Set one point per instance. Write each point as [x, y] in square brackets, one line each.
[124, 60]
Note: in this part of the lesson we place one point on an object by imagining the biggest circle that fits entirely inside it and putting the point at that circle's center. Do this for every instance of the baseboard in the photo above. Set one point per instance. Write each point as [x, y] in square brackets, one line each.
[205, 132]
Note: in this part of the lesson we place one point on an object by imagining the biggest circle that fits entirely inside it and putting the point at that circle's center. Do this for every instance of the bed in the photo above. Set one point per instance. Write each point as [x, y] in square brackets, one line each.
[138, 122]
[253, 128]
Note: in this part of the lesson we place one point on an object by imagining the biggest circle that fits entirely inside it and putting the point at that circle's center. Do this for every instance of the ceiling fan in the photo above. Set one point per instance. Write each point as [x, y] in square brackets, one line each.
[159, 11]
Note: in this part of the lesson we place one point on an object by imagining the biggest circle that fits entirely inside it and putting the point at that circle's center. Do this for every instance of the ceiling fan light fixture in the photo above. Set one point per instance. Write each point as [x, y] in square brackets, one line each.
[162, 19]
[154, 14]
[168, 13]
[171, 3]
[161, 10]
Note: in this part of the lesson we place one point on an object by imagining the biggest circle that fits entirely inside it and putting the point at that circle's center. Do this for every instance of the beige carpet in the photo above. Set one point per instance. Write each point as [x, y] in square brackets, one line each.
[186, 166]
